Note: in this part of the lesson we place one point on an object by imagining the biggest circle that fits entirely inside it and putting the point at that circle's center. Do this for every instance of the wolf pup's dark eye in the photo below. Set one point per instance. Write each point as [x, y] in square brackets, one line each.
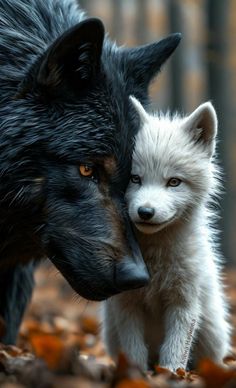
[86, 171]
[135, 179]
[174, 182]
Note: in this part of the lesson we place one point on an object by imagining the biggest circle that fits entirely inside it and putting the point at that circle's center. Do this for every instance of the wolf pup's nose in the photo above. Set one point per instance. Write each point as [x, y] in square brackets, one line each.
[146, 213]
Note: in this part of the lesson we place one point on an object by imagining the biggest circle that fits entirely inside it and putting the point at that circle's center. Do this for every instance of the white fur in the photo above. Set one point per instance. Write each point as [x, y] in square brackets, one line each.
[182, 314]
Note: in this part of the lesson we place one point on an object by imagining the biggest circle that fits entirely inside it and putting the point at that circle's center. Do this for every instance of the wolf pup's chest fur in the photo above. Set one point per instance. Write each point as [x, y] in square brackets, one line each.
[173, 179]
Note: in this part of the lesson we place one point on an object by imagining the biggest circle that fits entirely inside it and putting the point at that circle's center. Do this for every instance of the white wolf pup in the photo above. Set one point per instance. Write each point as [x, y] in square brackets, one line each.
[181, 315]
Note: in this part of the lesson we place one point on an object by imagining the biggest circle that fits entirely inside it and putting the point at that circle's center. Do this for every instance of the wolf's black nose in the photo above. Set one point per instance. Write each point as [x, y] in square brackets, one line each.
[130, 275]
[146, 212]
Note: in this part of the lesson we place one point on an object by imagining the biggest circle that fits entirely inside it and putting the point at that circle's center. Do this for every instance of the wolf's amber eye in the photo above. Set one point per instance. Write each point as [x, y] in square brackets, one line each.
[174, 182]
[86, 171]
[135, 179]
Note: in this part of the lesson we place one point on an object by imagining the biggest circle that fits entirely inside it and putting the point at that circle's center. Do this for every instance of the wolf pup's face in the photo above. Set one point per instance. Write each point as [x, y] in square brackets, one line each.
[65, 170]
[172, 168]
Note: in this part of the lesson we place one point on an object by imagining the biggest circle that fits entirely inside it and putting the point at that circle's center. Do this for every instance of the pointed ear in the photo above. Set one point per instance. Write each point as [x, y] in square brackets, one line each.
[142, 63]
[140, 110]
[72, 60]
[202, 125]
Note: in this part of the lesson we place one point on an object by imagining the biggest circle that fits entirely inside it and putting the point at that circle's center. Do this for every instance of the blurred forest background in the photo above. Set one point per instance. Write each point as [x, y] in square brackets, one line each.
[203, 68]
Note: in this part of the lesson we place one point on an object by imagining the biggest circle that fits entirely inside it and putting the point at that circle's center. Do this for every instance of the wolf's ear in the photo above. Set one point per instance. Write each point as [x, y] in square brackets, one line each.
[202, 125]
[72, 60]
[142, 63]
[144, 118]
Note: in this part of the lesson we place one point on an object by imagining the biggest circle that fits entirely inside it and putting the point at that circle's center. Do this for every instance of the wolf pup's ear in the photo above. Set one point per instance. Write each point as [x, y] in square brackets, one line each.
[202, 125]
[71, 61]
[142, 63]
[144, 118]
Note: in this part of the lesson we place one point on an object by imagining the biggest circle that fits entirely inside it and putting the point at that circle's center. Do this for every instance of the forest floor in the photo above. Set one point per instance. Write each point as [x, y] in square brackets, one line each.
[59, 347]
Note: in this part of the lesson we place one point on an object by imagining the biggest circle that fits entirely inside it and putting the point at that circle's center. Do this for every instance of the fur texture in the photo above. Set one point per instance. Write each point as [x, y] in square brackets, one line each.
[181, 316]
[66, 142]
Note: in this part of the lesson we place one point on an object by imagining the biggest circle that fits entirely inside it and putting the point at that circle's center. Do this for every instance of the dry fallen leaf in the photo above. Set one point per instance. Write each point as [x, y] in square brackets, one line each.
[50, 348]
[161, 370]
[132, 383]
[181, 372]
[89, 324]
[216, 376]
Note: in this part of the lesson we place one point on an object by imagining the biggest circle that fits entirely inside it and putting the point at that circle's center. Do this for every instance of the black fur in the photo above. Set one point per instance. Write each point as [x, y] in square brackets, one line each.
[64, 102]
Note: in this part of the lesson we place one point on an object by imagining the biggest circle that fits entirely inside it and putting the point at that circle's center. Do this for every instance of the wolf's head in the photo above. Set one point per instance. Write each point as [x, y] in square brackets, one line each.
[66, 146]
[172, 170]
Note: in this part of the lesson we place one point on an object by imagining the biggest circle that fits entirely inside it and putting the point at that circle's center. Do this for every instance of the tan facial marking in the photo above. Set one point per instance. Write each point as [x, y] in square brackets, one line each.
[110, 165]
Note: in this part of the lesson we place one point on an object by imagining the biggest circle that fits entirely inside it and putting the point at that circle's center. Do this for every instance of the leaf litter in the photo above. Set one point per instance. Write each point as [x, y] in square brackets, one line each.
[59, 346]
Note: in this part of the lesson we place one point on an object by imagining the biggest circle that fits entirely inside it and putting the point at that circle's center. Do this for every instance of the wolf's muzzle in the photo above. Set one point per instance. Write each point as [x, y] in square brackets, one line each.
[130, 275]
[131, 272]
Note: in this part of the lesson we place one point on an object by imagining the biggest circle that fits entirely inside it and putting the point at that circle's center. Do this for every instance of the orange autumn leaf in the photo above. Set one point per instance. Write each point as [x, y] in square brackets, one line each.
[160, 369]
[181, 372]
[132, 383]
[89, 325]
[214, 375]
[122, 364]
[48, 347]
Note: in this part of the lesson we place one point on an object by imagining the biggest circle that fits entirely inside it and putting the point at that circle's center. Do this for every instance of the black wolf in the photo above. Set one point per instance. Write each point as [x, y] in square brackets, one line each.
[66, 139]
